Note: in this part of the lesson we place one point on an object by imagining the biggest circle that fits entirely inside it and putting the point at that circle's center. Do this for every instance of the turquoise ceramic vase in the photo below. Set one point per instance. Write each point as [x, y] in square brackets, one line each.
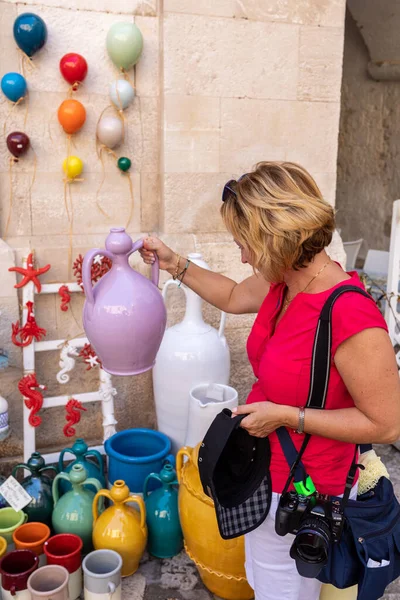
[165, 534]
[94, 468]
[73, 511]
[39, 487]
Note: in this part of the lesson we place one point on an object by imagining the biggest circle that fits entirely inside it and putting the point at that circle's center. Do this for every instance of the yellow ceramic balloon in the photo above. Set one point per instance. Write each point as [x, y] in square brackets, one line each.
[72, 167]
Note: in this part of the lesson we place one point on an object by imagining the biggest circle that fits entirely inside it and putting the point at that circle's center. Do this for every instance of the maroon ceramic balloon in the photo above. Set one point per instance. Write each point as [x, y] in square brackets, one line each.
[17, 143]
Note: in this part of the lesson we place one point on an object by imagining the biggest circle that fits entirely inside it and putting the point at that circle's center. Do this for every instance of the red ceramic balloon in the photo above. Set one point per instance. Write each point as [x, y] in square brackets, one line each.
[17, 143]
[73, 68]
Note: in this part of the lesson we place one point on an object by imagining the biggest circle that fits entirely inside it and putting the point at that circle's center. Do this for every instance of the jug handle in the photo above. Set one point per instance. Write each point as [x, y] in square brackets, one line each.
[167, 284]
[95, 505]
[155, 267]
[145, 490]
[49, 468]
[96, 454]
[54, 489]
[142, 509]
[87, 271]
[185, 451]
[222, 324]
[61, 458]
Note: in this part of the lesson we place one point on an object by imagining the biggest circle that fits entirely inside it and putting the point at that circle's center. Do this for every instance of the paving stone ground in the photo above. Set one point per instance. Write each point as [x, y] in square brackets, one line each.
[177, 578]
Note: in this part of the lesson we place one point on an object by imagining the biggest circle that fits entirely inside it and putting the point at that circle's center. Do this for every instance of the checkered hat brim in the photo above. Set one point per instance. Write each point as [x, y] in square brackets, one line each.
[243, 518]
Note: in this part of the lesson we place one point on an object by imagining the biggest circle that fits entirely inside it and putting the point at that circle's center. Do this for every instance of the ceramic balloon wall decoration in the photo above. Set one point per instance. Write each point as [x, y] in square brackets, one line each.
[73, 68]
[121, 94]
[14, 87]
[18, 144]
[124, 45]
[72, 117]
[30, 33]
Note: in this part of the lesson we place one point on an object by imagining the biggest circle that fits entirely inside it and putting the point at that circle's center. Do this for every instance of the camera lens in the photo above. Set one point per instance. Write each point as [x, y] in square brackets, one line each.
[310, 547]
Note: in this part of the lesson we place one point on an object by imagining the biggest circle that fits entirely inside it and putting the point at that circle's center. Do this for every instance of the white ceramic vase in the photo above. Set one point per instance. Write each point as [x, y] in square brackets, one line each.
[205, 403]
[191, 353]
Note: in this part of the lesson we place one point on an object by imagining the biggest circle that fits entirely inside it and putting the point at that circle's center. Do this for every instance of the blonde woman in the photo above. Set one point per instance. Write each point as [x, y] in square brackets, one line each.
[281, 224]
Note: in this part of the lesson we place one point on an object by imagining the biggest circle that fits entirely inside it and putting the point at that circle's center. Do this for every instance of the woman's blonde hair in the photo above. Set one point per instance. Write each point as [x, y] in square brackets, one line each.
[278, 214]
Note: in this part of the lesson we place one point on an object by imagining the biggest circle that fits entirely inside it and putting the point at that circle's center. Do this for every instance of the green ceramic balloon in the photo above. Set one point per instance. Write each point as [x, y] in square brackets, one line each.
[124, 163]
[124, 44]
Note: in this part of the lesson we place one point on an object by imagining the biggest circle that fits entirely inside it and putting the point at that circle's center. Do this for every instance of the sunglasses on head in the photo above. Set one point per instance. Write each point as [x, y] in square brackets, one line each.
[229, 188]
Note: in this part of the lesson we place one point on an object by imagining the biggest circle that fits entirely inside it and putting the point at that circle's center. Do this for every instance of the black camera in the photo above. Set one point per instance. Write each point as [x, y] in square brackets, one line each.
[316, 520]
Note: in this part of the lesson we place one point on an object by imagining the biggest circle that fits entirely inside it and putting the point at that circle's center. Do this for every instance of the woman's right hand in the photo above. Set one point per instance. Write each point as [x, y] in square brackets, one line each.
[153, 245]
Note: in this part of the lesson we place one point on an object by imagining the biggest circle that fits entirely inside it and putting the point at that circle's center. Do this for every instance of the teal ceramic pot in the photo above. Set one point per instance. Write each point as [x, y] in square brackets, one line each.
[73, 511]
[90, 459]
[38, 486]
[165, 534]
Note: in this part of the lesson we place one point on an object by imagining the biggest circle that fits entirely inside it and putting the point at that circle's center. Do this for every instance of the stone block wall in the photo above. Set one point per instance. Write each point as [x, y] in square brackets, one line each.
[220, 86]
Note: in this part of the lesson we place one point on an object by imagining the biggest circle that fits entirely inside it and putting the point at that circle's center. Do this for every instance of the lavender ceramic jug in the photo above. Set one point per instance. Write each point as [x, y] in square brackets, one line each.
[124, 314]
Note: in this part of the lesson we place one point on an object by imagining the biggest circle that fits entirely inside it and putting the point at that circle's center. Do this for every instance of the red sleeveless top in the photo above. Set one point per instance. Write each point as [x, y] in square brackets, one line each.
[281, 361]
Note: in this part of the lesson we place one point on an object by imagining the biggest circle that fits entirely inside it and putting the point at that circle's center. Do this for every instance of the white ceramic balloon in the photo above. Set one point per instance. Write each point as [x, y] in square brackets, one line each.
[110, 131]
[121, 94]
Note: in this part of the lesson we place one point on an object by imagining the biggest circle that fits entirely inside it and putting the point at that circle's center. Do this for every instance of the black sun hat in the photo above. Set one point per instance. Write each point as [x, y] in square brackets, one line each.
[234, 472]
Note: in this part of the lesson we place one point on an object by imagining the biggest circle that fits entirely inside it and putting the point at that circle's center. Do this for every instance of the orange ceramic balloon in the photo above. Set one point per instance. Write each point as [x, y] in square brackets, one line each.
[72, 115]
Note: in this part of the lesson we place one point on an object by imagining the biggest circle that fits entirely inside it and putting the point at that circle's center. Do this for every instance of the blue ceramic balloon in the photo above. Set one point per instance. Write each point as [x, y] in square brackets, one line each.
[30, 33]
[13, 86]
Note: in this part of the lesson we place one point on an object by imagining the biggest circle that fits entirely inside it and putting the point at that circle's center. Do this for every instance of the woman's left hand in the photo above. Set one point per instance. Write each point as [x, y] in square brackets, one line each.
[263, 417]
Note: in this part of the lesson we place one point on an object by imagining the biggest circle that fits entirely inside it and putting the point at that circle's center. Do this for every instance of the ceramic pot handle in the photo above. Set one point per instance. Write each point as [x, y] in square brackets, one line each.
[95, 506]
[13, 590]
[151, 475]
[54, 489]
[87, 271]
[111, 587]
[49, 468]
[185, 451]
[142, 508]
[21, 466]
[61, 458]
[167, 284]
[96, 454]
[155, 267]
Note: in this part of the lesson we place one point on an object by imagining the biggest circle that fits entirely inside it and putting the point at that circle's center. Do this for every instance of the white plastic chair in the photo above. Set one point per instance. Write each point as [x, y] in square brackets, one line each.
[377, 263]
[352, 249]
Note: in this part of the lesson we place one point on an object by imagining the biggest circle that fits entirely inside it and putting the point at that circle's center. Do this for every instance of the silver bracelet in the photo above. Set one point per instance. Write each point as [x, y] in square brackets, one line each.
[300, 428]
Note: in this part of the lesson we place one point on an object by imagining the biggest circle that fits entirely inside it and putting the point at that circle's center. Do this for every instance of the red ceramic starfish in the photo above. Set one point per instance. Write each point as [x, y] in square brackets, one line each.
[30, 273]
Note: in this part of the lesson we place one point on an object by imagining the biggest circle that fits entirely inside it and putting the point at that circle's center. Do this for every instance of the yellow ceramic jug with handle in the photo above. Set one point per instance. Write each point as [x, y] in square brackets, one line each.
[220, 562]
[120, 527]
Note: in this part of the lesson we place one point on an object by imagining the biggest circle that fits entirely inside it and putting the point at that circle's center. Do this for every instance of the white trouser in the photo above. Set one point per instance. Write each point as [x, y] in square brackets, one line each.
[270, 570]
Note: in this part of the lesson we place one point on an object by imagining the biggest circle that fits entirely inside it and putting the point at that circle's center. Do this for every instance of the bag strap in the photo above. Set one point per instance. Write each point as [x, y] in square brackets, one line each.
[319, 380]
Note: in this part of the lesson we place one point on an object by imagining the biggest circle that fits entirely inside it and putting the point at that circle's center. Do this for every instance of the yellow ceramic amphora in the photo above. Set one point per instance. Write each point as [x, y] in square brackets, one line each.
[220, 562]
[120, 527]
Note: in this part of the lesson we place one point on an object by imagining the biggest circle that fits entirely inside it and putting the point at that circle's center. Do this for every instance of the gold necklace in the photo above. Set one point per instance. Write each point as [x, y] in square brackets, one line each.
[286, 302]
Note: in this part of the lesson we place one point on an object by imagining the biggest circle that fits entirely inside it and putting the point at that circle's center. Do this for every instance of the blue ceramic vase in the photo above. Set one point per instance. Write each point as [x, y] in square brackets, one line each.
[38, 486]
[164, 529]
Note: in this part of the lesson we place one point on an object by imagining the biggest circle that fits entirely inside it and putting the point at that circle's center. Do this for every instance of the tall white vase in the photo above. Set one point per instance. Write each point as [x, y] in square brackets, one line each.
[192, 352]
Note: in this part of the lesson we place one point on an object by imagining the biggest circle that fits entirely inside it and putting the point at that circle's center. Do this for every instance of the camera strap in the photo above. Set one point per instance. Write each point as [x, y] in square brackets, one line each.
[319, 380]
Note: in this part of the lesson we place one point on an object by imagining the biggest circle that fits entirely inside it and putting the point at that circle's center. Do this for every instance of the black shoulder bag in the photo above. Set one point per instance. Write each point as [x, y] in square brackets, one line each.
[368, 551]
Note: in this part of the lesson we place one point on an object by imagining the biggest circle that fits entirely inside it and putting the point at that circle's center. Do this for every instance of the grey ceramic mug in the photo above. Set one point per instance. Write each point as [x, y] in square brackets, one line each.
[102, 574]
[49, 583]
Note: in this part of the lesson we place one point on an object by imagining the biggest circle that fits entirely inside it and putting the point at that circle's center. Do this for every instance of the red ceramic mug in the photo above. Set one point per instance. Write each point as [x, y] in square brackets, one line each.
[65, 550]
[15, 569]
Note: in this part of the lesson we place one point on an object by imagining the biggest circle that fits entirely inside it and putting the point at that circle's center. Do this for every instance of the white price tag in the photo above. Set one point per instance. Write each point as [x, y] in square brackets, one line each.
[14, 493]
